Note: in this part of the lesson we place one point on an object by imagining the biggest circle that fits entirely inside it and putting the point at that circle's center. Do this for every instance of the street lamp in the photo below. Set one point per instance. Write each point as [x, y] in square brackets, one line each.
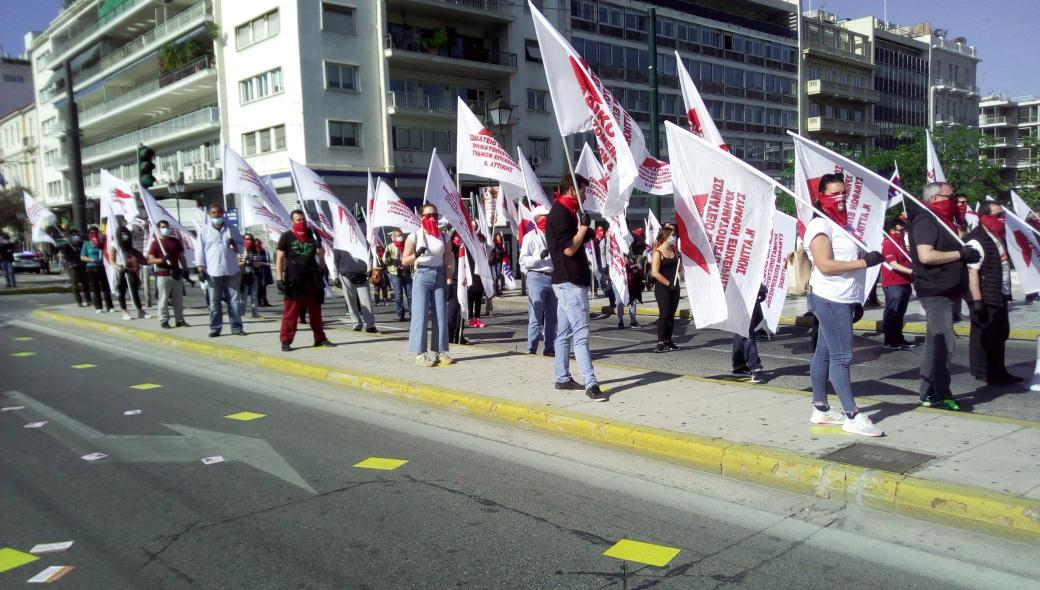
[177, 188]
[500, 112]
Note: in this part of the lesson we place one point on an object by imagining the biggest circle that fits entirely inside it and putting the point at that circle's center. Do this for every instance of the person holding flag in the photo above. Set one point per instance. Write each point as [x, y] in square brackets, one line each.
[75, 268]
[216, 259]
[400, 275]
[940, 279]
[895, 282]
[91, 254]
[128, 262]
[664, 269]
[298, 270]
[428, 251]
[989, 284]
[167, 254]
[353, 276]
[566, 231]
[537, 266]
[837, 283]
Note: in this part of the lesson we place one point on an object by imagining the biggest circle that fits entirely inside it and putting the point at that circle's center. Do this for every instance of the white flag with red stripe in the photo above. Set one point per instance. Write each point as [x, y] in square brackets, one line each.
[311, 188]
[653, 228]
[933, 169]
[598, 194]
[1023, 247]
[258, 204]
[157, 213]
[704, 286]
[697, 116]
[39, 218]
[895, 196]
[479, 153]
[529, 183]
[391, 211]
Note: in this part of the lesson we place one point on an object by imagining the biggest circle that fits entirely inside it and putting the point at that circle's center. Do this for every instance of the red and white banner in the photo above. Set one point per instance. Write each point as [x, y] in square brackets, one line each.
[117, 198]
[866, 198]
[653, 228]
[616, 249]
[463, 279]
[39, 218]
[582, 103]
[704, 286]
[391, 211]
[781, 243]
[529, 183]
[525, 222]
[1023, 211]
[441, 192]
[311, 188]
[1023, 247]
[597, 196]
[157, 213]
[933, 169]
[697, 116]
[971, 217]
[257, 203]
[895, 197]
[348, 235]
[479, 153]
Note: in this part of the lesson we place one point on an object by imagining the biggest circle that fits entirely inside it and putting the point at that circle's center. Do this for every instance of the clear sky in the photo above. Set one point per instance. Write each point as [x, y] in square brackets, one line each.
[1005, 32]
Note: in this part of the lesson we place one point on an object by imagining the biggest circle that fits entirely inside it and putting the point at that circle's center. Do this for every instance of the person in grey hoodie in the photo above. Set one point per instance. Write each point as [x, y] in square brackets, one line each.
[353, 277]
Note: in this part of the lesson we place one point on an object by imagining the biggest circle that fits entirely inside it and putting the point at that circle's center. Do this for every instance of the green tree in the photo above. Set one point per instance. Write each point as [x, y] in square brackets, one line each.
[1029, 178]
[12, 204]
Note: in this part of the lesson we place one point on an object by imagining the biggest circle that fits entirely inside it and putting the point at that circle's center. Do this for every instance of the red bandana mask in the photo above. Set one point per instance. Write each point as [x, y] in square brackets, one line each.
[945, 210]
[429, 225]
[962, 209]
[569, 202]
[94, 239]
[456, 240]
[299, 229]
[829, 204]
[541, 222]
[600, 234]
[995, 225]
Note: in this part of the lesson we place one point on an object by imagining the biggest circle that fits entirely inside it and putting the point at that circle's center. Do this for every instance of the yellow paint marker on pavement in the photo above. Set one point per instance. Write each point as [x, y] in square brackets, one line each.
[22, 354]
[11, 558]
[146, 386]
[244, 416]
[381, 463]
[83, 366]
[22, 338]
[640, 552]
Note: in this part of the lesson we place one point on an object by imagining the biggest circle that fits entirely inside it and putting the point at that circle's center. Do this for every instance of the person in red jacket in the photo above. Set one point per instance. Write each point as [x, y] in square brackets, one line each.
[896, 285]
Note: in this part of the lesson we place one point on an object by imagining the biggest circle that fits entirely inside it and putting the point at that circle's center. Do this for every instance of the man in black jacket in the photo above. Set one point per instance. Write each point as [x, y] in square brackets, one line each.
[989, 284]
[565, 233]
[940, 278]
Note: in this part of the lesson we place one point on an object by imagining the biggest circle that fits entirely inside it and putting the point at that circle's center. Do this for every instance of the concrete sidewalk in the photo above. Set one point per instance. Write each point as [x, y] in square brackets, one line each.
[984, 471]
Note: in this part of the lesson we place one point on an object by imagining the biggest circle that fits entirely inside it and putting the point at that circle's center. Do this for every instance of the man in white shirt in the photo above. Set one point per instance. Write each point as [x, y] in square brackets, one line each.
[216, 259]
[541, 299]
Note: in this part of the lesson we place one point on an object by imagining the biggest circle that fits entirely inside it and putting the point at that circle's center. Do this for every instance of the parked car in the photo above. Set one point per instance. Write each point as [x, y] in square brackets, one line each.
[27, 261]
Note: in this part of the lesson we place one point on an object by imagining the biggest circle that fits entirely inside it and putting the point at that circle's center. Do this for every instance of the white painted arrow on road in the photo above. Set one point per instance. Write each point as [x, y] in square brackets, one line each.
[192, 445]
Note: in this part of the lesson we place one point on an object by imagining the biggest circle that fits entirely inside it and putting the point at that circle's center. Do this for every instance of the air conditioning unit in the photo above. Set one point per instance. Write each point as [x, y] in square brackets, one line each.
[536, 160]
[189, 175]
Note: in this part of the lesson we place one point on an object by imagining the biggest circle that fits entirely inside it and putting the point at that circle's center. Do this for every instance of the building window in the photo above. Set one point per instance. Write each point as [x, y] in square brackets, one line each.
[260, 86]
[337, 18]
[344, 134]
[263, 141]
[341, 76]
[532, 52]
[257, 30]
[414, 139]
[538, 147]
[14, 78]
[537, 100]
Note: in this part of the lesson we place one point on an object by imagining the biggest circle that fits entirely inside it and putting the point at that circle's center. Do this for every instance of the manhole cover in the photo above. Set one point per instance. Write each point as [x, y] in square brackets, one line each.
[877, 457]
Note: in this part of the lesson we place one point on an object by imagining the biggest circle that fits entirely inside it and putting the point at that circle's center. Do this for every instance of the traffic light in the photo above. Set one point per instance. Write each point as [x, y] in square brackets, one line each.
[145, 165]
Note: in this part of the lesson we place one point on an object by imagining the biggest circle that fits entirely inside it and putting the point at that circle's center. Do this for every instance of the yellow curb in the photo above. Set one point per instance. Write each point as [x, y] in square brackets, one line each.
[931, 500]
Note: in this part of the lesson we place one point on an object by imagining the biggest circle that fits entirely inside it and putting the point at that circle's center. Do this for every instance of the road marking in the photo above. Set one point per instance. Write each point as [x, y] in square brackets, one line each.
[11, 558]
[22, 338]
[826, 429]
[50, 574]
[50, 547]
[83, 366]
[381, 463]
[212, 460]
[131, 412]
[35, 424]
[23, 354]
[93, 456]
[640, 552]
[245, 416]
[12, 408]
[146, 386]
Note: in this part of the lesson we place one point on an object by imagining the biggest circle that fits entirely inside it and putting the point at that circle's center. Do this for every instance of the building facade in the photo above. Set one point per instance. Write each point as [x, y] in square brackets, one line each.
[952, 77]
[16, 84]
[1012, 129]
[19, 156]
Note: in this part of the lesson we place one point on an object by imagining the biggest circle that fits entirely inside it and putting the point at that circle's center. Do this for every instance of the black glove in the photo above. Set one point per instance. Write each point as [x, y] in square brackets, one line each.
[857, 313]
[203, 275]
[763, 292]
[874, 258]
[280, 285]
[970, 255]
[544, 254]
[422, 250]
[583, 218]
[979, 313]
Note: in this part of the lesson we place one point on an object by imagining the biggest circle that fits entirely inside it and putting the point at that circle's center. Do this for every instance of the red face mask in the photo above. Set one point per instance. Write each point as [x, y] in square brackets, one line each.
[829, 204]
[299, 229]
[944, 210]
[600, 234]
[541, 222]
[995, 224]
[962, 209]
[456, 239]
[569, 202]
[429, 225]
[94, 239]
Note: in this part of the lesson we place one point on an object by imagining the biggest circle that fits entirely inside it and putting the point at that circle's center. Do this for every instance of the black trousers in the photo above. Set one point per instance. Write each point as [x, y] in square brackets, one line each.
[78, 282]
[986, 343]
[99, 288]
[476, 296]
[667, 303]
[128, 281]
[897, 297]
[454, 313]
[745, 352]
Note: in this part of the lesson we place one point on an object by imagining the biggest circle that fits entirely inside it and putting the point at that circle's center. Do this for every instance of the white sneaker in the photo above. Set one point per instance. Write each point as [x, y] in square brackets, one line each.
[126, 316]
[861, 425]
[444, 358]
[143, 315]
[99, 311]
[425, 360]
[831, 416]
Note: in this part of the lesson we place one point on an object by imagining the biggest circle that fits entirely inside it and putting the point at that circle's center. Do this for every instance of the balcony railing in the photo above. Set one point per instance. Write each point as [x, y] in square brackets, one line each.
[991, 120]
[1027, 163]
[146, 88]
[499, 6]
[955, 85]
[488, 56]
[832, 125]
[1002, 162]
[841, 90]
[957, 47]
[201, 118]
[61, 43]
[146, 41]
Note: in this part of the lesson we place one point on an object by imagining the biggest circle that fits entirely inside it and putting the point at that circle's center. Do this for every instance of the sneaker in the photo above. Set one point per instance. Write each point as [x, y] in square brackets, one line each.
[143, 315]
[758, 376]
[671, 345]
[927, 402]
[831, 416]
[286, 347]
[621, 325]
[99, 311]
[256, 316]
[357, 327]
[596, 394]
[948, 404]
[164, 325]
[472, 323]
[444, 359]
[908, 345]
[741, 372]
[239, 333]
[111, 310]
[183, 324]
[371, 330]
[324, 344]
[480, 323]
[662, 347]
[892, 346]
[636, 325]
[571, 385]
[861, 425]
[214, 333]
[424, 360]
[126, 315]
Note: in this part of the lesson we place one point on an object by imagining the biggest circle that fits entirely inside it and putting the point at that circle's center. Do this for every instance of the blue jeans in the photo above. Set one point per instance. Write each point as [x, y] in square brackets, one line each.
[218, 287]
[249, 296]
[429, 285]
[572, 320]
[8, 268]
[401, 287]
[833, 351]
[541, 312]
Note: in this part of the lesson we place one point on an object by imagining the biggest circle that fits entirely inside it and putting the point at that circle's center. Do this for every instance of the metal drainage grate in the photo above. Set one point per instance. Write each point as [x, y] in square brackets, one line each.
[878, 457]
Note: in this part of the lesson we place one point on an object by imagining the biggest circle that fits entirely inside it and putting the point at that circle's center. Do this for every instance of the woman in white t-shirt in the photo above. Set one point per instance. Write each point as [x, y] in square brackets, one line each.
[836, 298]
[428, 251]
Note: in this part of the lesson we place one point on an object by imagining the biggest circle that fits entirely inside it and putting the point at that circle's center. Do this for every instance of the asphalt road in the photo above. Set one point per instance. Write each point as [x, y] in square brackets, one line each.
[475, 505]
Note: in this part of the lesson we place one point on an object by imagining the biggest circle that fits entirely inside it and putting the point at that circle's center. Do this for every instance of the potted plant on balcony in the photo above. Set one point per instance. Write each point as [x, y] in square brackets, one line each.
[435, 41]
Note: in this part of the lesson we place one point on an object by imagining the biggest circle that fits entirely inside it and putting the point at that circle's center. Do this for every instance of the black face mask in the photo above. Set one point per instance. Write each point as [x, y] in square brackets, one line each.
[124, 237]
[76, 240]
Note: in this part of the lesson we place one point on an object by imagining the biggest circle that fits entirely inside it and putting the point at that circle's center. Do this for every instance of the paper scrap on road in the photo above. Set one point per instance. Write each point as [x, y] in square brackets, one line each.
[212, 460]
[22, 354]
[12, 408]
[51, 574]
[50, 547]
[826, 429]
[381, 463]
[22, 338]
[245, 416]
[83, 366]
[131, 412]
[35, 424]
[93, 456]
[11, 558]
[146, 386]
[640, 552]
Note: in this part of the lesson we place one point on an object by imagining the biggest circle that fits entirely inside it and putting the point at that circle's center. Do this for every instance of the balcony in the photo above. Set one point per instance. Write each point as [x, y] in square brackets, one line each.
[954, 86]
[839, 126]
[1001, 162]
[71, 40]
[992, 121]
[1027, 163]
[401, 103]
[405, 50]
[839, 90]
[185, 125]
[999, 141]
[960, 48]
[464, 11]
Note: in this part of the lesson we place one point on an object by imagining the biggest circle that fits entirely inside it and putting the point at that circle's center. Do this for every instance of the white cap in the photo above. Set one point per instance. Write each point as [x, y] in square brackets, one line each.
[540, 211]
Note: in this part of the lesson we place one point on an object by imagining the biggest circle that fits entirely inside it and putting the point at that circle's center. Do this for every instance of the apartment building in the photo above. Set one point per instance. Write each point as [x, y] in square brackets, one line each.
[19, 156]
[15, 84]
[838, 96]
[1012, 128]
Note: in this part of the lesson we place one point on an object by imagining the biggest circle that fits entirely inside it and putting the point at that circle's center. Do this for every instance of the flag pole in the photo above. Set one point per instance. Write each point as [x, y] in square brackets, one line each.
[570, 167]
